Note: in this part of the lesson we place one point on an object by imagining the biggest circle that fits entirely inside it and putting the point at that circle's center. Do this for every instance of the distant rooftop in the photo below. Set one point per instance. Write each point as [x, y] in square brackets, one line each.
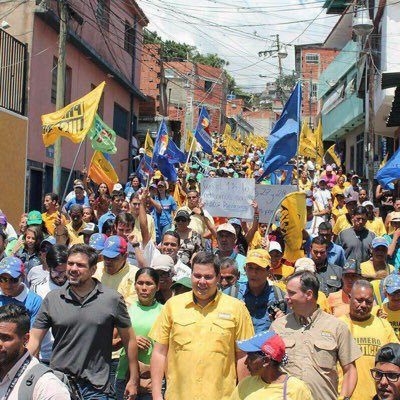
[335, 6]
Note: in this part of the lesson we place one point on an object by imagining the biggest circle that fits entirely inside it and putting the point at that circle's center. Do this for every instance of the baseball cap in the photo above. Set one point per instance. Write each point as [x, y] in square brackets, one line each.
[391, 283]
[185, 281]
[350, 199]
[274, 246]
[379, 241]
[395, 357]
[270, 343]
[34, 218]
[50, 239]
[355, 176]
[97, 241]
[117, 186]
[322, 179]
[352, 267]
[12, 266]
[367, 203]
[259, 257]
[305, 264]
[89, 229]
[162, 262]
[395, 216]
[114, 246]
[79, 186]
[235, 221]
[227, 228]
[161, 183]
[157, 175]
[3, 219]
[256, 174]
[182, 214]
[328, 168]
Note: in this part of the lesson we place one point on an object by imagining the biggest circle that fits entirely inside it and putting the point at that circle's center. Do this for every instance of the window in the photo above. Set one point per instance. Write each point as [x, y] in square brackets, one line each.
[312, 58]
[100, 108]
[314, 91]
[208, 86]
[169, 73]
[129, 38]
[67, 93]
[103, 13]
[120, 121]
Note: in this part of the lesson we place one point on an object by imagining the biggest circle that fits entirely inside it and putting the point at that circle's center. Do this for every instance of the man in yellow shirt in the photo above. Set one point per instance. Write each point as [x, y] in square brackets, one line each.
[77, 224]
[265, 358]
[377, 267]
[370, 333]
[195, 338]
[391, 310]
[374, 224]
[344, 221]
[51, 204]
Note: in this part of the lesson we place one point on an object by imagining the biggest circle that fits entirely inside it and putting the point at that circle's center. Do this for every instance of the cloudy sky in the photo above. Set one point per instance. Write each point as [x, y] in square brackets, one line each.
[239, 29]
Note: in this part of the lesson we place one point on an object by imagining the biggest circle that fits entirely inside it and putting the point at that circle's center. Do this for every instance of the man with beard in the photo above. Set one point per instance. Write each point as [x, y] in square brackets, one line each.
[82, 317]
[16, 364]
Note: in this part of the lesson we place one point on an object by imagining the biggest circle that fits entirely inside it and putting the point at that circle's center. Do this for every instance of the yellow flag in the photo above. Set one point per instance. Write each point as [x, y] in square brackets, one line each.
[293, 221]
[148, 145]
[384, 161]
[191, 142]
[233, 147]
[179, 199]
[333, 155]
[101, 170]
[319, 143]
[228, 130]
[74, 120]
[307, 142]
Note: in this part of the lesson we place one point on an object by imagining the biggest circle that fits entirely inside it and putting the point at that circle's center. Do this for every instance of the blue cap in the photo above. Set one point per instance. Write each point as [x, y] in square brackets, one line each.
[12, 266]
[379, 241]
[97, 241]
[49, 239]
[392, 283]
[114, 246]
[235, 221]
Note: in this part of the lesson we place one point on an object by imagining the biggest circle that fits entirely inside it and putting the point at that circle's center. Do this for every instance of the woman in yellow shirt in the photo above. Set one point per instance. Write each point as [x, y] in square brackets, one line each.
[304, 183]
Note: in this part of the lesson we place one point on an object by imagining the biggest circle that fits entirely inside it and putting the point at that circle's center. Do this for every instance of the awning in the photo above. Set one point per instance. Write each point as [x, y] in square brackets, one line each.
[394, 115]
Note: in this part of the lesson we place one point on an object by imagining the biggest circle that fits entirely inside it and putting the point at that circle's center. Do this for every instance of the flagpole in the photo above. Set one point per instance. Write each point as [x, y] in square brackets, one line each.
[71, 171]
[190, 152]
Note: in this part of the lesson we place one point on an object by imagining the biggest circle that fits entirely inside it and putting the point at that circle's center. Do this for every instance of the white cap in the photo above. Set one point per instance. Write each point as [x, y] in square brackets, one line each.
[367, 203]
[117, 186]
[162, 262]
[227, 228]
[310, 166]
[274, 246]
[305, 264]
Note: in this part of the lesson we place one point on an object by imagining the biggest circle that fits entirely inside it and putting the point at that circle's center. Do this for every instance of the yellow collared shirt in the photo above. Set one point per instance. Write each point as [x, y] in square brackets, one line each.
[72, 233]
[201, 345]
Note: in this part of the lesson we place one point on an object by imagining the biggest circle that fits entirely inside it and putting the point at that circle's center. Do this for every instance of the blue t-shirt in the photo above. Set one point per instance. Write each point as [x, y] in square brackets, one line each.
[129, 191]
[32, 303]
[168, 205]
[336, 255]
[395, 258]
[83, 202]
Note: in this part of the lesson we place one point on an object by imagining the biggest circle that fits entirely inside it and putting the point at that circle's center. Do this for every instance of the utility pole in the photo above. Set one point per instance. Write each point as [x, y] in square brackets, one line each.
[371, 126]
[60, 97]
[189, 106]
[310, 96]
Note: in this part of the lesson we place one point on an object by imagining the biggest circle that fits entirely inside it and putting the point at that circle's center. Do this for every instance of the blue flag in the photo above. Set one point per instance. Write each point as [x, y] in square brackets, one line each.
[144, 169]
[390, 172]
[202, 132]
[276, 177]
[164, 146]
[166, 168]
[282, 142]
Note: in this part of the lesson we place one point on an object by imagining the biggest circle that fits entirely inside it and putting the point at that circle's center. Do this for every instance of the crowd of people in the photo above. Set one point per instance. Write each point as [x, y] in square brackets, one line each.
[139, 293]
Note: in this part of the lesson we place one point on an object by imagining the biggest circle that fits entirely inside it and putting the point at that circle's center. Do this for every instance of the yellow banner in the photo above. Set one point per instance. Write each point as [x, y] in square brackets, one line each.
[191, 142]
[319, 143]
[74, 120]
[148, 145]
[334, 156]
[293, 221]
[307, 142]
[233, 147]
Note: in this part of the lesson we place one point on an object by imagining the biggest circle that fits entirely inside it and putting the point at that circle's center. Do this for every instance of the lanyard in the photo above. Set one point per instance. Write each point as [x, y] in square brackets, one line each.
[285, 387]
[20, 371]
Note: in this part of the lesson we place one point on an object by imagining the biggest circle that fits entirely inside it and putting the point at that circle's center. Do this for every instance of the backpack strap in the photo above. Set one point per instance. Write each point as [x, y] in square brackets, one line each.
[234, 291]
[27, 387]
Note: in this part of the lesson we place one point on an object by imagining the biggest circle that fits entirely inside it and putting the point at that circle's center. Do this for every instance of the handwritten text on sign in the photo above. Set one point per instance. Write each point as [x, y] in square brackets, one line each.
[268, 198]
[228, 197]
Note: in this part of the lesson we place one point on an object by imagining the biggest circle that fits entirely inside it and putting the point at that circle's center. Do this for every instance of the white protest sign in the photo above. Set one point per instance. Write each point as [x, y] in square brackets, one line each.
[228, 197]
[268, 198]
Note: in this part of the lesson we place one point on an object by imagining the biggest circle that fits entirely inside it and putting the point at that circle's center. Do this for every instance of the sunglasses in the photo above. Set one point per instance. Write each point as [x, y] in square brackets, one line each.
[181, 220]
[192, 197]
[4, 279]
[390, 376]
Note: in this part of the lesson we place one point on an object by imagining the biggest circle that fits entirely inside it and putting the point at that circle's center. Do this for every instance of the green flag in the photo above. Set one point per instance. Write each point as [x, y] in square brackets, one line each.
[102, 136]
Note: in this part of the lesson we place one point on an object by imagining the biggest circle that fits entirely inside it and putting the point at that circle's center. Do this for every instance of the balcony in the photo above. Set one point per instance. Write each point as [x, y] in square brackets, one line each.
[343, 118]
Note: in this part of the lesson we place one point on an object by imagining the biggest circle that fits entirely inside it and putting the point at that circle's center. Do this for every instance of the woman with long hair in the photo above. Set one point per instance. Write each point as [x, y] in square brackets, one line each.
[29, 252]
[143, 315]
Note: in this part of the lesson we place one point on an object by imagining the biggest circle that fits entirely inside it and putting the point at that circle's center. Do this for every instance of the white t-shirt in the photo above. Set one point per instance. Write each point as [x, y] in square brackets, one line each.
[36, 275]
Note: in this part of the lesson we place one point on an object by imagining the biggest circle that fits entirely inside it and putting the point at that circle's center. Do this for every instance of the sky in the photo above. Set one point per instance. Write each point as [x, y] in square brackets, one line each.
[237, 30]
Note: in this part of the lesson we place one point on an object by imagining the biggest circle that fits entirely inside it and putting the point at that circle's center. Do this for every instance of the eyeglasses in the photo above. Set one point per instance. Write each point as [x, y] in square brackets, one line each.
[390, 376]
[4, 279]
[228, 278]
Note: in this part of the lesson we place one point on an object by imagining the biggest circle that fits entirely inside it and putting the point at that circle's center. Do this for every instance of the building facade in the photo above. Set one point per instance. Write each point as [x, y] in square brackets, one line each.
[104, 43]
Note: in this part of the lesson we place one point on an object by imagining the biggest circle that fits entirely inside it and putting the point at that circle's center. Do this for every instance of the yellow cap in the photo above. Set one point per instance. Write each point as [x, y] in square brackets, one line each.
[259, 257]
